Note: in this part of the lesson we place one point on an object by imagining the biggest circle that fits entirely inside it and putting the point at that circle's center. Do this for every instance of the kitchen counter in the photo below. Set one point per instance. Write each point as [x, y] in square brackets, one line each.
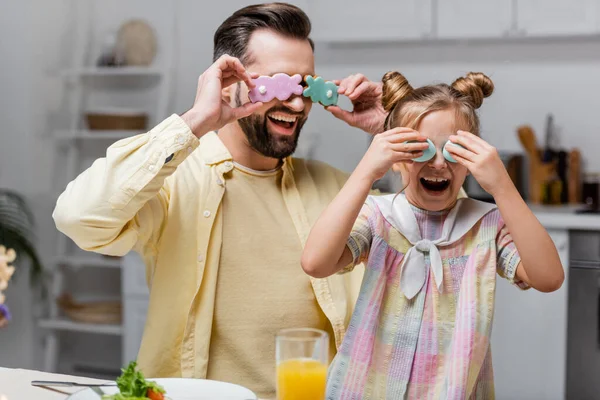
[564, 217]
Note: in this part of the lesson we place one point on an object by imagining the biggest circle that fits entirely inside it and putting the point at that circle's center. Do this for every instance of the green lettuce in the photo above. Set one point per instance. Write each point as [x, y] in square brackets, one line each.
[132, 385]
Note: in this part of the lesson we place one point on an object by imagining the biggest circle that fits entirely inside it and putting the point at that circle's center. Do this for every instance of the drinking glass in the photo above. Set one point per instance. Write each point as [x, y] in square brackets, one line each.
[302, 357]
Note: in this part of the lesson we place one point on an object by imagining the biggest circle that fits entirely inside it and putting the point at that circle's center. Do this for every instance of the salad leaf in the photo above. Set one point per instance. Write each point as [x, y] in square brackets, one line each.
[132, 385]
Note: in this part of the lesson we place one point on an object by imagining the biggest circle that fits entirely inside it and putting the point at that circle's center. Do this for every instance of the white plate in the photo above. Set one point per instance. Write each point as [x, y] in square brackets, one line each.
[184, 389]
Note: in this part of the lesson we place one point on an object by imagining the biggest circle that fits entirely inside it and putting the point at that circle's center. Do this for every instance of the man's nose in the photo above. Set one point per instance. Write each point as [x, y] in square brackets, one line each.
[295, 103]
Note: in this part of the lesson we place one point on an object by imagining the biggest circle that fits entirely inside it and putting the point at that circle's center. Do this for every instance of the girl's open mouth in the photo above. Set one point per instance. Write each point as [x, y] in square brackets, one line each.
[435, 184]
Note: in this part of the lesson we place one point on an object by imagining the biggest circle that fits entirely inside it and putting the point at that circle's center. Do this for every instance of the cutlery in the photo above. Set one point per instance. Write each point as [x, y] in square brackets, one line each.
[70, 384]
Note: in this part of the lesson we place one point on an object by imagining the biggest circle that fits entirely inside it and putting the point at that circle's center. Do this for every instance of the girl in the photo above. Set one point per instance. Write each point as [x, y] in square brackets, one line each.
[422, 323]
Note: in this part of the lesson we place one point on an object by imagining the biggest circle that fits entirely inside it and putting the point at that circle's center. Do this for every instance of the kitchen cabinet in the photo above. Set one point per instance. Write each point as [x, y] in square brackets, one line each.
[375, 20]
[529, 337]
[583, 333]
[557, 17]
[473, 18]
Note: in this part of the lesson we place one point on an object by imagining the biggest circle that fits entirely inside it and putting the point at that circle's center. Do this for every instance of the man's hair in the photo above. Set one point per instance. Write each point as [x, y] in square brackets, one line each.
[233, 35]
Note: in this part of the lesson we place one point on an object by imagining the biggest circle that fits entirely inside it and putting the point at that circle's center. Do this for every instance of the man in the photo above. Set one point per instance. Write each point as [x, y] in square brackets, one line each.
[220, 219]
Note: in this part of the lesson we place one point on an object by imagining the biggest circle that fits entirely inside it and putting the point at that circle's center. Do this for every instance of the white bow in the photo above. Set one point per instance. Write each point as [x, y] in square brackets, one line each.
[413, 271]
[399, 214]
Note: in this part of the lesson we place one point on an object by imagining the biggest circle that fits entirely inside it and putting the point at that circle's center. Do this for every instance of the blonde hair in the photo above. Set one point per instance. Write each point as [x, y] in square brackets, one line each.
[408, 106]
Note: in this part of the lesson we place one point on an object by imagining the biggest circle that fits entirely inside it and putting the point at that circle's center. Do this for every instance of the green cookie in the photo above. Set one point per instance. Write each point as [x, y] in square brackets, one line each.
[321, 91]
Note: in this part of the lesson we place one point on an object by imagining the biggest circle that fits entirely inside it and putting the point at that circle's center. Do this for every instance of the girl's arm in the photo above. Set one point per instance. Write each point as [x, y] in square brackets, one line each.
[325, 252]
[540, 265]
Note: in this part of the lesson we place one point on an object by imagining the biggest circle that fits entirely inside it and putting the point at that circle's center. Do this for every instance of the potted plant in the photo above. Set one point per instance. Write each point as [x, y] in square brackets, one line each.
[16, 231]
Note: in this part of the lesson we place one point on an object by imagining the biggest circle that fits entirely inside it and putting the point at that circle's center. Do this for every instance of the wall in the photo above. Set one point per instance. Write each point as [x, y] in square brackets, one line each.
[532, 79]
[31, 36]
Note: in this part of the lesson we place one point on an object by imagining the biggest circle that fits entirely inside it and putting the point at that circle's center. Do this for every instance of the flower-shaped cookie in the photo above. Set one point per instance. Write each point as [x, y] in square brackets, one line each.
[280, 86]
[321, 91]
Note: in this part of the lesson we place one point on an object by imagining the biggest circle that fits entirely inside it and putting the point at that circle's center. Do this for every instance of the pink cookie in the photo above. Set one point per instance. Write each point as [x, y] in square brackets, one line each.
[279, 85]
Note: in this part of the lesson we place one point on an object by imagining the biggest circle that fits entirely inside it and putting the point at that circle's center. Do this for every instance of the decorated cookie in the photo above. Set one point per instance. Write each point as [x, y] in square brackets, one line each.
[280, 86]
[321, 91]
[445, 152]
[428, 153]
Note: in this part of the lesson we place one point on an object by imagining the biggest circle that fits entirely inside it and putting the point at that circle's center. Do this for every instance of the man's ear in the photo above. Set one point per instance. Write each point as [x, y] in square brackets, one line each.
[228, 93]
[232, 94]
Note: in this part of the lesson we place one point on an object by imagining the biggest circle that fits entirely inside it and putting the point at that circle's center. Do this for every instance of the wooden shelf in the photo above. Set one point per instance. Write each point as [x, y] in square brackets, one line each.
[62, 324]
[114, 72]
[88, 261]
[85, 134]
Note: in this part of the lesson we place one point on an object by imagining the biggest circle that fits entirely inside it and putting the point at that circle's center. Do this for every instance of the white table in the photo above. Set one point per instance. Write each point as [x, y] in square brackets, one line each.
[15, 384]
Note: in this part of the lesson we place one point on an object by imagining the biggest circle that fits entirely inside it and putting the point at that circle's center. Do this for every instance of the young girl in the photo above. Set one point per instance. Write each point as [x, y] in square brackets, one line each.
[421, 327]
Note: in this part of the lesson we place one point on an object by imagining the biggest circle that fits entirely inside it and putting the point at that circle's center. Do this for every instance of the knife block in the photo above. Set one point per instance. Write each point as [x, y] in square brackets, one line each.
[540, 174]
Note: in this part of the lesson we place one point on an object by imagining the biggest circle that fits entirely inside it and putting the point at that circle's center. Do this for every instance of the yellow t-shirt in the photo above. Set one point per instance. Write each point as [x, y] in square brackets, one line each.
[261, 287]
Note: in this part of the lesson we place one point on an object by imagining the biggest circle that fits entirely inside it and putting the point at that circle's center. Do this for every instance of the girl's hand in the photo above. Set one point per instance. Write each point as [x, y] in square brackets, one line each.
[482, 160]
[389, 148]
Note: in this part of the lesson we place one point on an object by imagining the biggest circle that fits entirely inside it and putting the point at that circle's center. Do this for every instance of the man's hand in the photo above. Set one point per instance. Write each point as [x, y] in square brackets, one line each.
[368, 113]
[210, 112]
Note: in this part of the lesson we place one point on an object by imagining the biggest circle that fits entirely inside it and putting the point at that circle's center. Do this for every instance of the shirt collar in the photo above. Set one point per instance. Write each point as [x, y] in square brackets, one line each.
[213, 151]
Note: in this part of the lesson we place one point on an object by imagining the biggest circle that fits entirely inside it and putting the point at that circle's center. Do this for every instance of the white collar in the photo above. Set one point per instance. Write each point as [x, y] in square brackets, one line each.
[396, 210]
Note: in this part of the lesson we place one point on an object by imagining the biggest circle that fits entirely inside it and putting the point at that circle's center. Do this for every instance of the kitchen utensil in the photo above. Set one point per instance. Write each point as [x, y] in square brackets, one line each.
[548, 154]
[562, 169]
[539, 173]
[70, 384]
[574, 173]
[527, 138]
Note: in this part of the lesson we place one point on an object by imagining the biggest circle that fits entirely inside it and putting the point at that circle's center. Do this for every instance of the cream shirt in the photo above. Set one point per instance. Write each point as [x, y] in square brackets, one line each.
[160, 193]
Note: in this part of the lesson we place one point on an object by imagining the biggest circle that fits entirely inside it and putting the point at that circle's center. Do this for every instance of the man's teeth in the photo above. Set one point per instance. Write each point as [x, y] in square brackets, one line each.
[437, 180]
[284, 118]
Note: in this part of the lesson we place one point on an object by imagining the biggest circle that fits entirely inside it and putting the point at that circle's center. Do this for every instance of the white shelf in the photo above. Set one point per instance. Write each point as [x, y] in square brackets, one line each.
[68, 325]
[89, 261]
[114, 72]
[87, 134]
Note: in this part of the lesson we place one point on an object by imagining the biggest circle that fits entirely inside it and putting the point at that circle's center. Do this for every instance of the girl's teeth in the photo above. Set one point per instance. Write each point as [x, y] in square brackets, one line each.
[436, 179]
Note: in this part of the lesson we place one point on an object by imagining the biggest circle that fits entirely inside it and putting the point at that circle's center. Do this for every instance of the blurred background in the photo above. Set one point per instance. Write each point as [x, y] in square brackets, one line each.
[77, 75]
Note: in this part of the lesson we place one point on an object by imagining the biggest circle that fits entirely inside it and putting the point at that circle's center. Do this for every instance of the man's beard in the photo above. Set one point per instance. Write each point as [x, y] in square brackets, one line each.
[260, 139]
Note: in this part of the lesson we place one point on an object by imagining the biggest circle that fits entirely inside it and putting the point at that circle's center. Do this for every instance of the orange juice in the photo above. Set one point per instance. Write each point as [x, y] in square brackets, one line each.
[301, 379]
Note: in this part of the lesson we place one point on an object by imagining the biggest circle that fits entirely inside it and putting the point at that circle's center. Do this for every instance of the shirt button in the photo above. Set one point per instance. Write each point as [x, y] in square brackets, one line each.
[220, 182]
[181, 140]
[189, 150]
[200, 258]
[150, 167]
[228, 165]
[206, 213]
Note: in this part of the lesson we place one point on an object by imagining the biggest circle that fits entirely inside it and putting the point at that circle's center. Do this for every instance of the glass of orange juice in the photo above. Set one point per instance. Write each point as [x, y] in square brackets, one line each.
[302, 358]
